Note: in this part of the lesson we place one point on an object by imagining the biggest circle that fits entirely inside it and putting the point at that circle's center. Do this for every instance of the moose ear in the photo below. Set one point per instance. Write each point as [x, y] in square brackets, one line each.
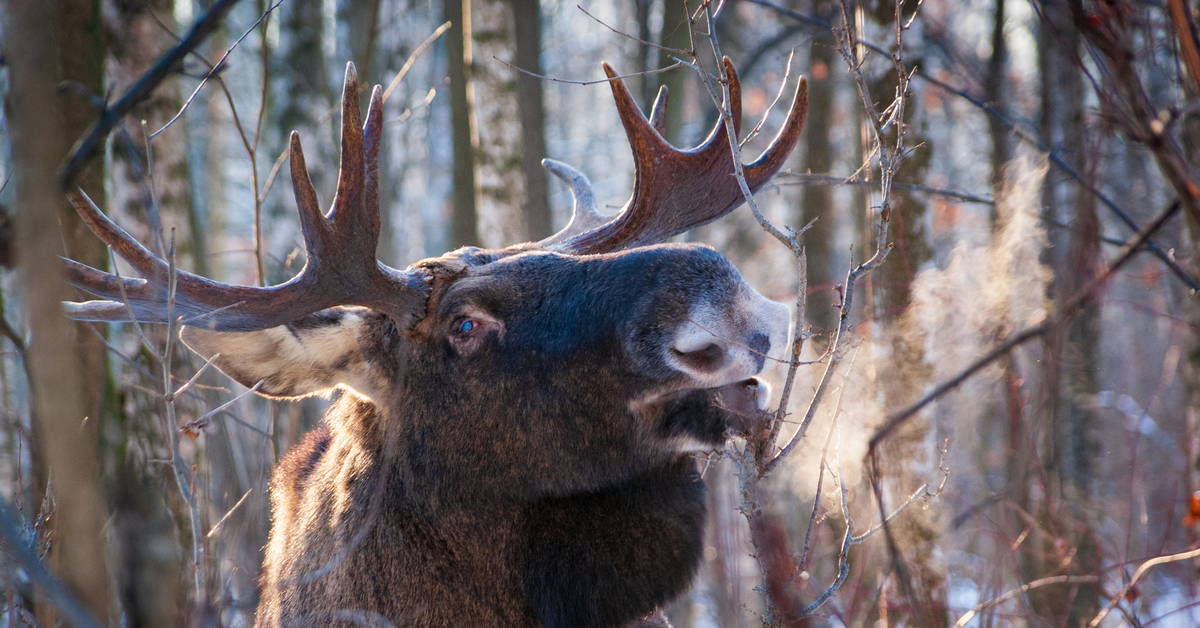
[341, 346]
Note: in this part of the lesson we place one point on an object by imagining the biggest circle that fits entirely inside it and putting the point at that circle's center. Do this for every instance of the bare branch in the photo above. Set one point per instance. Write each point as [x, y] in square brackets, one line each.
[218, 67]
[109, 118]
[57, 594]
[640, 41]
[802, 178]
[1020, 133]
[604, 80]
[1141, 570]
[412, 58]
[982, 606]
[218, 525]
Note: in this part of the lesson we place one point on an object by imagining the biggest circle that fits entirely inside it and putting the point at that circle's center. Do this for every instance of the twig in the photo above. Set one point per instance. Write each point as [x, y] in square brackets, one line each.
[922, 491]
[1021, 134]
[180, 470]
[188, 384]
[837, 410]
[125, 299]
[787, 72]
[218, 525]
[640, 41]
[218, 67]
[803, 178]
[812, 518]
[969, 615]
[194, 427]
[57, 594]
[835, 355]
[604, 80]
[1141, 570]
[166, 64]
[412, 58]
[798, 336]
[847, 539]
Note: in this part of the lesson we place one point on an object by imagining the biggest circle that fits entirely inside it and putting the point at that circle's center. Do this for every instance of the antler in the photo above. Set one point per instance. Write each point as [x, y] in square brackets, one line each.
[341, 245]
[674, 190]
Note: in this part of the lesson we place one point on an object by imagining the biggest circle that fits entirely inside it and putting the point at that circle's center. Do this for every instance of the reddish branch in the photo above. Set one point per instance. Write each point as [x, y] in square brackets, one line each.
[1142, 122]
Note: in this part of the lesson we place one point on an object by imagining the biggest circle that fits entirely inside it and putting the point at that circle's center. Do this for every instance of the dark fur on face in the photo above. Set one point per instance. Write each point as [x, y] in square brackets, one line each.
[516, 458]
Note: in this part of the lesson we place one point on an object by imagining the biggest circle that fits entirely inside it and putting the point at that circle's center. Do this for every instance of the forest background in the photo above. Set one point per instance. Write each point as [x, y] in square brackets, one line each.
[1059, 473]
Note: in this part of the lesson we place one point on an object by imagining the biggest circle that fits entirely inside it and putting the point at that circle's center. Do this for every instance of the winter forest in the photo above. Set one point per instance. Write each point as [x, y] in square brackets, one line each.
[989, 234]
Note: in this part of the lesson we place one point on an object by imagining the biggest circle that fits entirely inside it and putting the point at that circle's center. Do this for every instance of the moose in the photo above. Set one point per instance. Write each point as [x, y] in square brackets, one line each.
[512, 444]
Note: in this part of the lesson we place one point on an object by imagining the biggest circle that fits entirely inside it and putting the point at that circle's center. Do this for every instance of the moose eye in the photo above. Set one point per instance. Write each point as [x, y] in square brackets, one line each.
[470, 332]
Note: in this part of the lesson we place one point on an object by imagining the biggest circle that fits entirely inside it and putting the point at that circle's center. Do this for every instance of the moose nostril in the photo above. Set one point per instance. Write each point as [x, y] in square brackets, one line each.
[708, 358]
[759, 343]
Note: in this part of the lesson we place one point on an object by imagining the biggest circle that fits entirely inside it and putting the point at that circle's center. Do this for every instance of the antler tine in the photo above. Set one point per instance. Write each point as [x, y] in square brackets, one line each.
[341, 268]
[312, 220]
[584, 215]
[373, 133]
[122, 243]
[678, 190]
[350, 176]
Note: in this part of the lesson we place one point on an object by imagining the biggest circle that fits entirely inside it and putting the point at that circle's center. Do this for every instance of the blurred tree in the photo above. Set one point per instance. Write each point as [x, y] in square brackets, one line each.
[644, 84]
[1069, 379]
[151, 177]
[1184, 22]
[817, 200]
[498, 115]
[676, 36]
[67, 441]
[995, 86]
[906, 370]
[527, 20]
[80, 46]
[362, 20]
[300, 99]
[464, 215]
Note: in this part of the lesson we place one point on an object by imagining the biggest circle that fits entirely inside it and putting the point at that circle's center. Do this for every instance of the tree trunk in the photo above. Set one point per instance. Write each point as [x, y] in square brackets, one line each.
[36, 125]
[501, 179]
[80, 40]
[527, 22]
[305, 102]
[825, 268]
[362, 19]
[150, 177]
[464, 216]
[676, 33]
[905, 373]
[993, 94]
[643, 84]
[1068, 375]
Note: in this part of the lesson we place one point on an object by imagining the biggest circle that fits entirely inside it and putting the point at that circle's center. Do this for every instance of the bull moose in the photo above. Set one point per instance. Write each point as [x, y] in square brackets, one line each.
[511, 443]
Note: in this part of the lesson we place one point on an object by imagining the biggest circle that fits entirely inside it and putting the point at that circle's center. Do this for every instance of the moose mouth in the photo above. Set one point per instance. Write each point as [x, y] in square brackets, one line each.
[747, 402]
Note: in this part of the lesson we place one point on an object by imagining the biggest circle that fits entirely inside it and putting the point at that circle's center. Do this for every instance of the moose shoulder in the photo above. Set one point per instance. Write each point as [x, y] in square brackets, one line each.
[512, 446]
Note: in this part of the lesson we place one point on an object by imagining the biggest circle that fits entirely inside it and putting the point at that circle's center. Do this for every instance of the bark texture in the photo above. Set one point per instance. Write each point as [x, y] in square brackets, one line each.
[464, 212]
[36, 124]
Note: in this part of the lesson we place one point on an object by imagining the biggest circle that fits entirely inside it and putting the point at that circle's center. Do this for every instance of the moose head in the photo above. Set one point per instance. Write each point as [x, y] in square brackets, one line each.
[511, 446]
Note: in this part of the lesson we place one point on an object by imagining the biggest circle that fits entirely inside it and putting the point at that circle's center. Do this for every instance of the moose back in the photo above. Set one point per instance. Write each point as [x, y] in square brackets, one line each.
[512, 444]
